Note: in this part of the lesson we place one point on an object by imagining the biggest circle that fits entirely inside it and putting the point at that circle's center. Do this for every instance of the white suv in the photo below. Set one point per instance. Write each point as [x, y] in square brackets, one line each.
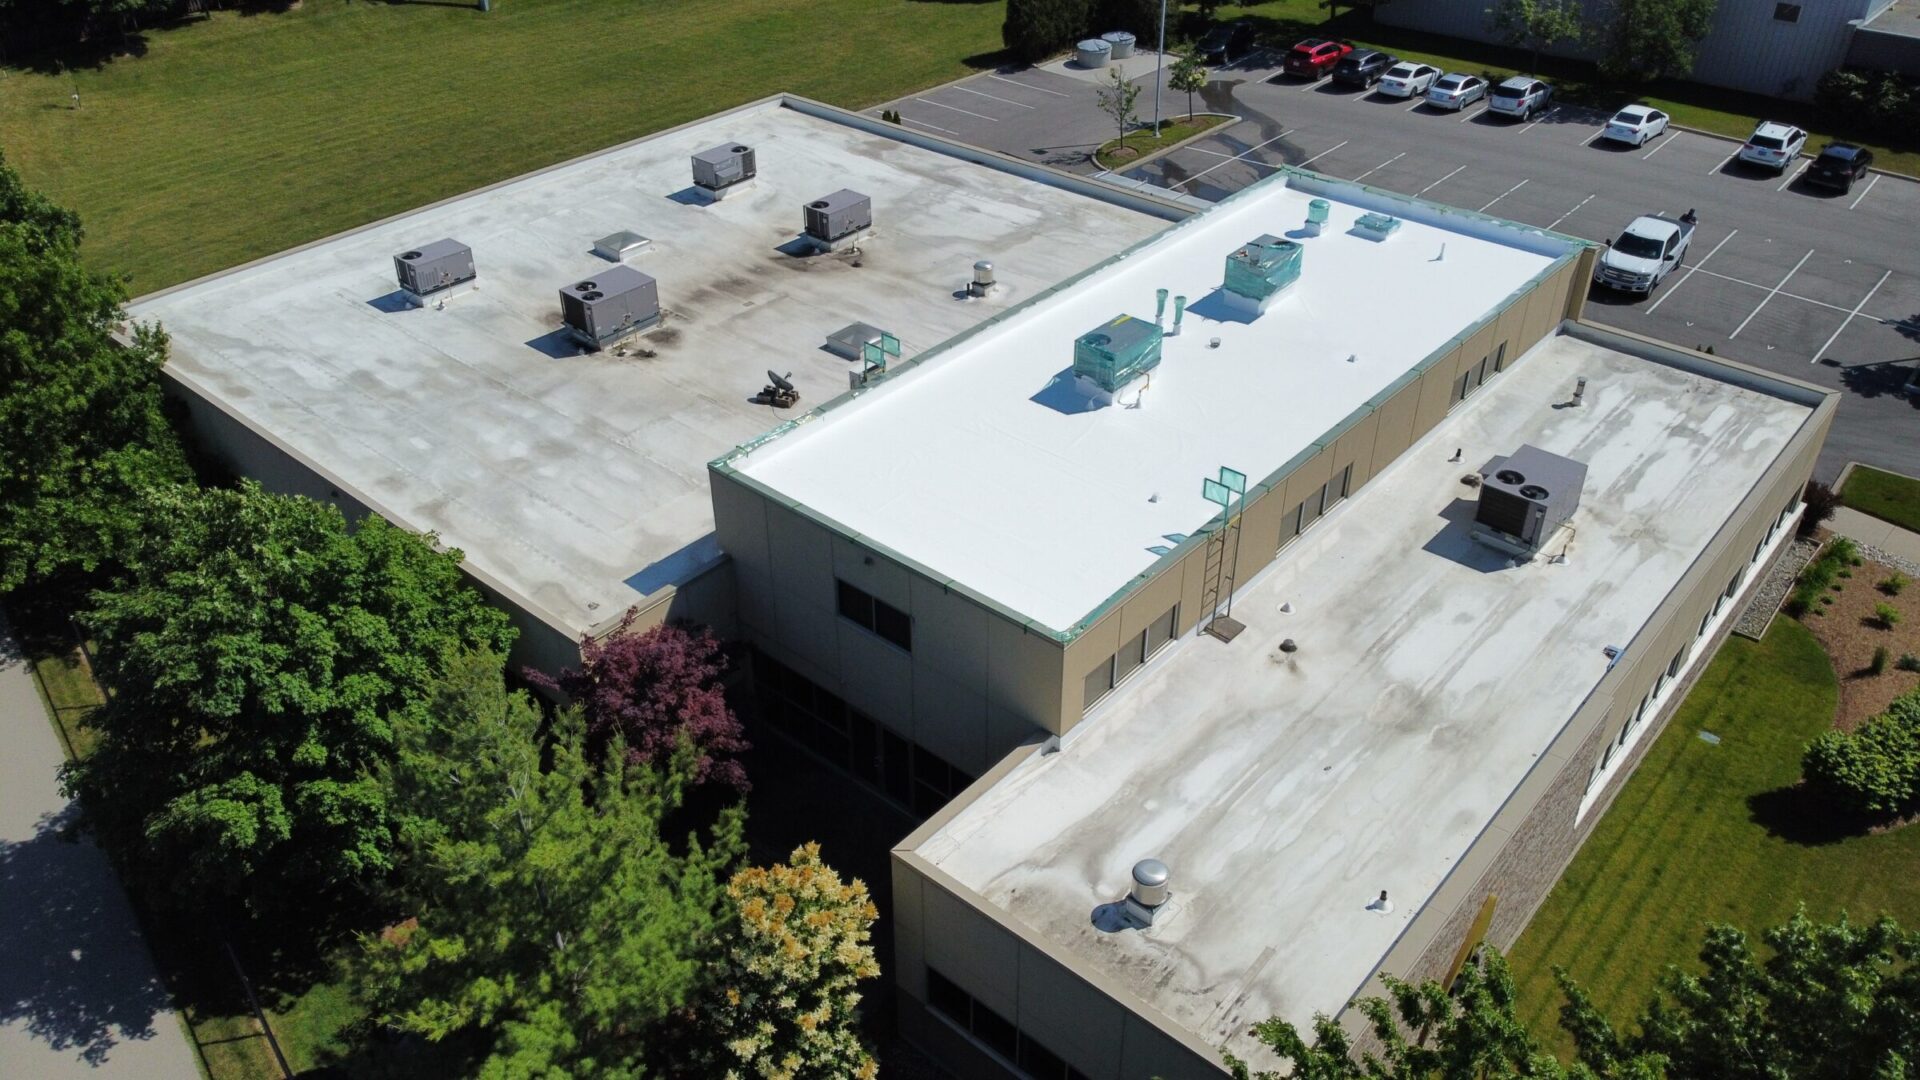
[1773, 146]
[1520, 97]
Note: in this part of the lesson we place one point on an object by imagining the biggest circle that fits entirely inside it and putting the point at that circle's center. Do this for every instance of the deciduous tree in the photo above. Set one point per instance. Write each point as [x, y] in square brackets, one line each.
[654, 689]
[1651, 39]
[780, 1002]
[1188, 76]
[1537, 24]
[556, 924]
[257, 654]
[1118, 99]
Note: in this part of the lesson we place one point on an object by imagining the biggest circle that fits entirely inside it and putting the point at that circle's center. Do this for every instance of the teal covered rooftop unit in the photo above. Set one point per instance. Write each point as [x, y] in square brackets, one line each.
[1117, 352]
[1258, 269]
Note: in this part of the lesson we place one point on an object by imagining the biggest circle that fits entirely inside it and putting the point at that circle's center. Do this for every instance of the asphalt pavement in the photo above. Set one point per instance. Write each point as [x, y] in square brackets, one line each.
[1824, 287]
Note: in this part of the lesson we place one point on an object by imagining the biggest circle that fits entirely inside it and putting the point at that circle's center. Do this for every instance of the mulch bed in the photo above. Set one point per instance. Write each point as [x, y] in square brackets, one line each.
[1849, 632]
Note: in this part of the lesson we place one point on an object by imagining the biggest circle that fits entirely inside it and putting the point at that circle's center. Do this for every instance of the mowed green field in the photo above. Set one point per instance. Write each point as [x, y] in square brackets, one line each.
[1711, 833]
[249, 134]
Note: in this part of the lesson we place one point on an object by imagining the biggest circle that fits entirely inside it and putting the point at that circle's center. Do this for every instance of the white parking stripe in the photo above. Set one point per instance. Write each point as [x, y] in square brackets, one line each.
[1573, 211]
[991, 97]
[935, 127]
[1237, 157]
[1504, 194]
[1467, 114]
[1666, 137]
[1795, 176]
[1324, 153]
[1850, 315]
[1770, 295]
[1212, 153]
[958, 109]
[1691, 270]
[1438, 182]
[1723, 162]
[1870, 183]
[1310, 87]
[1029, 86]
[1783, 292]
[1417, 102]
[1380, 166]
[1551, 113]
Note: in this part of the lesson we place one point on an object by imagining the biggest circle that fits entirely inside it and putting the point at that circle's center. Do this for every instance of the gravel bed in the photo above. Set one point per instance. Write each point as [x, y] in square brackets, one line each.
[1772, 592]
[1905, 566]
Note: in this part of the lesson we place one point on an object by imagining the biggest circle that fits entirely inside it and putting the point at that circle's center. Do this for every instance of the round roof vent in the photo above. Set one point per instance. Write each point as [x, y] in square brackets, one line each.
[1508, 476]
[591, 294]
[411, 255]
[585, 285]
[1534, 492]
[739, 149]
[818, 204]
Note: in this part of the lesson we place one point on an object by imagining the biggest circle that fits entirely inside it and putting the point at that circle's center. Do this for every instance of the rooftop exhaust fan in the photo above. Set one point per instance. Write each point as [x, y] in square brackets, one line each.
[1526, 500]
[838, 219]
[720, 168]
[433, 268]
[617, 302]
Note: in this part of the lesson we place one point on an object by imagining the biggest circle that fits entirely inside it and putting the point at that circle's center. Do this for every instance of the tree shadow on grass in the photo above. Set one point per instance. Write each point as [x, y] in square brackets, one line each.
[1798, 815]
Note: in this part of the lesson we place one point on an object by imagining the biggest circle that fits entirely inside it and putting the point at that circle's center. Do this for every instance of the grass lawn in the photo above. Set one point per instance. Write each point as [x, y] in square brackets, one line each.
[1885, 495]
[1122, 152]
[247, 134]
[1708, 832]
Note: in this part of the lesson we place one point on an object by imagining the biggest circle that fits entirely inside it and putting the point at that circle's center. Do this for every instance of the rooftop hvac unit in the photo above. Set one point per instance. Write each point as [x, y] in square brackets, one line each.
[1526, 499]
[1116, 353]
[723, 166]
[1259, 269]
[838, 216]
[616, 302]
[433, 267]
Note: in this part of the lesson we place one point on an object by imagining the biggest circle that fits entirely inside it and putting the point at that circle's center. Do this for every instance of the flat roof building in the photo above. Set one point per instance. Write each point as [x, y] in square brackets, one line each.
[575, 482]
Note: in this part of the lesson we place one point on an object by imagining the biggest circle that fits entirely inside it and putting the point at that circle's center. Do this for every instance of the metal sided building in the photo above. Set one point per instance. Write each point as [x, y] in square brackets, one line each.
[573, 475]
[1231, 615]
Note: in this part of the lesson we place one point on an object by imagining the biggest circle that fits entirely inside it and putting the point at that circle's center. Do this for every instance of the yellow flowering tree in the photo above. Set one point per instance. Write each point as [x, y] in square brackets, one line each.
[783, 997]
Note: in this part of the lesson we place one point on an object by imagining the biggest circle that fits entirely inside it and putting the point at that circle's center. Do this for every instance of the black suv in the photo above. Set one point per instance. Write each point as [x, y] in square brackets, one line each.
[1362, 68]
[1226, 42]
[1839, 165]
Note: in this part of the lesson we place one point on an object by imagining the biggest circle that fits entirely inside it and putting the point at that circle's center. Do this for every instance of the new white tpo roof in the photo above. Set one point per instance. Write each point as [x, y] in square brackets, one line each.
[986, 465]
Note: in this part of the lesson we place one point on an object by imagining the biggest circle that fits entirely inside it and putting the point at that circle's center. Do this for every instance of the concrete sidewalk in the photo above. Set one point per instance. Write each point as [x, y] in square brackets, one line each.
[79, 995]
[1865, 529]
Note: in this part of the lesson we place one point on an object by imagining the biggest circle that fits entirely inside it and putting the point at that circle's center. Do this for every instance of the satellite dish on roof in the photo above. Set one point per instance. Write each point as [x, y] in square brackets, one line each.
[781, 381]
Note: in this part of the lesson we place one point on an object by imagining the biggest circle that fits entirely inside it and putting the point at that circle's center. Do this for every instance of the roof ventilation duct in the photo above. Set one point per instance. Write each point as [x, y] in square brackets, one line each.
[720, 170]
[1109, 357]
[617, 303]
[1150, 891]
[433, 269]
[1259, 270]
[1527, 500]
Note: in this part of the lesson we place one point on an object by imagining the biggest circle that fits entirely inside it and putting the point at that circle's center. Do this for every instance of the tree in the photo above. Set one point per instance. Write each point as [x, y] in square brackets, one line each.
[1649, 39]
[1036, 29]
[85, 429]
[1189, 76]
[1369, 6]
[1833, 1001]
[781, 999]
[1873, 770]
[653, 690]
[1821, 501]
[1138, 17]
[257, 654]
[556, 925]
[1536, 24]
[1117, 99]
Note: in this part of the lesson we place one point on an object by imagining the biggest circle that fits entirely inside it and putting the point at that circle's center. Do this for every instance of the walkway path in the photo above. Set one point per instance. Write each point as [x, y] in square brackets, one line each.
[1889, 543]
[79, 996]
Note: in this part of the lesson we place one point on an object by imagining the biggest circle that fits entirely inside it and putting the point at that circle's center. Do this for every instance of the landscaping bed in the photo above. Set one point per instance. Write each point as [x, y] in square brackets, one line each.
[1137, 146]
[1849, 626]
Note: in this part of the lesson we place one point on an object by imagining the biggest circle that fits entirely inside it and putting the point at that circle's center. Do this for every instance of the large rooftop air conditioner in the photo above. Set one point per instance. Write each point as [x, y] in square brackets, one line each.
[838, 216]
[1525, 499]
[723, 166]
[616, 302]
[1115, 353]
[1259, 269]
[433, 267]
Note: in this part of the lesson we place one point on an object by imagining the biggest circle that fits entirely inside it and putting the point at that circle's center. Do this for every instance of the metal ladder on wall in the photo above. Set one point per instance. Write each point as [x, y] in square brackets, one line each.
[1217, 575]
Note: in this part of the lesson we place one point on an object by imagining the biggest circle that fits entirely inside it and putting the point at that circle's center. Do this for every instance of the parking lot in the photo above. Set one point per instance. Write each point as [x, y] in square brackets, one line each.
[1821, 286]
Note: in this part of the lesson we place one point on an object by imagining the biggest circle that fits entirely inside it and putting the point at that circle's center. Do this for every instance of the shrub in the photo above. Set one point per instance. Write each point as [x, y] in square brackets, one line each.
[1036, 29]
[1892, 586]
[1908, 662]
[1819, 576]
[1876, 768]
[1886, 615]
[1879, 662]
[1820, 502]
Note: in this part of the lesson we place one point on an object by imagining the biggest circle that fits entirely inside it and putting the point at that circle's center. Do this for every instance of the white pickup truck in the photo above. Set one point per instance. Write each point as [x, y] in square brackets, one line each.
[1648, 250]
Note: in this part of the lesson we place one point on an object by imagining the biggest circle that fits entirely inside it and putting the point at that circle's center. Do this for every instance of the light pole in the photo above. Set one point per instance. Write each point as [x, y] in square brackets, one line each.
[1159, 61]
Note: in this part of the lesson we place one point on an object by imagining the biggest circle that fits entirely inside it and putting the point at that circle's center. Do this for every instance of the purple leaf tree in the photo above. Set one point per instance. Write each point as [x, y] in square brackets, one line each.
[649, 688]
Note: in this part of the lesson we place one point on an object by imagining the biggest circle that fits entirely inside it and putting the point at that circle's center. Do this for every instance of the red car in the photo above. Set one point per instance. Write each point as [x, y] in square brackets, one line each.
[1314, 57]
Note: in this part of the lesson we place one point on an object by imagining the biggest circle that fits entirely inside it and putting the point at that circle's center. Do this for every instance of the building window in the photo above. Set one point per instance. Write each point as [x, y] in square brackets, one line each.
[1342, 484]
[1160, 633]
[1461, 387]
[1704, 620]
[1132, 656]
[1787, 13]
[1290, 524]
[869, 613]
[1099, 682]
[1679, 658]
[995, 1032]
[1500, 358]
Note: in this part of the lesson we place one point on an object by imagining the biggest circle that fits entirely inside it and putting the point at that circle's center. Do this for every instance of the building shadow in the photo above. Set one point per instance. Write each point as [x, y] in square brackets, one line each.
[1454, 542]
[74, 970]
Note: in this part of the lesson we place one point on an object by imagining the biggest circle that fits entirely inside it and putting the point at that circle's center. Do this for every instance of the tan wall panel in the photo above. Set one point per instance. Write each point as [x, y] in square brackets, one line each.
[982, 957]
[878, 575]
[909, 928]
[1151, 602]
[740, 525]
[1151, 1054]
[1068, 1016]
[801, 555]
[881, 682]
[812, 634]
[1023, 675]
[1393, 432]
[1436, 394]
[949, 631]
[950, 718]
[1099, 641]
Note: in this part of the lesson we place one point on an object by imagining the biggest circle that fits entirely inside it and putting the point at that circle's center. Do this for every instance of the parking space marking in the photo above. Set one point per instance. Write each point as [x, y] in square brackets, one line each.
[1380, 166]
[1467, 114]
[1666, 137]
[1573, 211]
[1850, 316]
[958, 109]
[935, 127]
[1504, 194]
[1691, 270]
[1029, 86]
[1870, 183]
[1417, 102]
[1729, 278]
[1313, 85]
[1323, 153]
[1723, 162]
[1771, 295]
[1438, 182]
[1795, 176]
[990, 97]
[1213, 153]
[1242, 156]
[1550, 115]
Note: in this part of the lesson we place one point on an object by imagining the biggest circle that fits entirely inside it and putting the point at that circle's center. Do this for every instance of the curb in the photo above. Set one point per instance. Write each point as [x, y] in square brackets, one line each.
[1729, 138]
[1232, 118]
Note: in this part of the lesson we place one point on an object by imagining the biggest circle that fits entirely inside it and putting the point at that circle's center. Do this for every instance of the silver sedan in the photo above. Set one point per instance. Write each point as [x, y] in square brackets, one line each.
[1456, 91]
